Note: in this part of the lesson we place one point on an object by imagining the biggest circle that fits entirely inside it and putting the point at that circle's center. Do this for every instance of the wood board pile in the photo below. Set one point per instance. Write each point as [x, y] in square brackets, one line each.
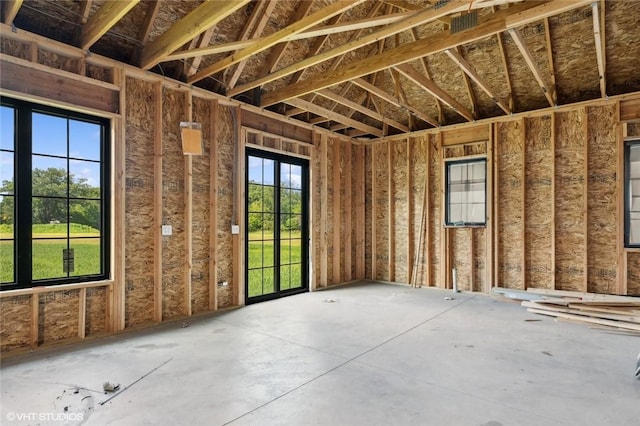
[609, 311]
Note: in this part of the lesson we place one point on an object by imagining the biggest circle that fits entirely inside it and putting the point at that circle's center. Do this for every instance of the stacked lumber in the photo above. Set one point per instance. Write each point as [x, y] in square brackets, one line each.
[619, 312]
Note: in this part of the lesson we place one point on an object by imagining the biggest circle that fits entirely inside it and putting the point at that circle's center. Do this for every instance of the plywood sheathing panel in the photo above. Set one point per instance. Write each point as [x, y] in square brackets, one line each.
[633, 129]
[435, 213]
[355, 201]
[200, 237]
[575, 64]
[418, 167]
[528, 95]
[633, 273]
[55, 323]
[96, 309]
[15, 316]
[340, 193]
[399, 179]
[602, 199]
[55, 61]
[173, 203]
[225, 164]
[381, 198]
[569, 199]
[139, 139]
[331, 219]
[479, 258]
[66, 11]
[369, 196]
[623, 42]
[510, 223]
[461, 252]
[448, 77]
[539, 202]
[316, 203]
[16, 48]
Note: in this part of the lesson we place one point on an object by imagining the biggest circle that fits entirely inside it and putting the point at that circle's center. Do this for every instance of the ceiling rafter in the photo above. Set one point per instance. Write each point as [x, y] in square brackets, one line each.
[85, 8]
[473, 74]
[103, 20]
[309, 33]
[397, 102]
[507, 77]
[414, 75]
[395, 76]
[275, 38]
[361, 109]
[149, 18]
[517, 15]
[191, 67]
[467, 83]
[425, 67]
[193, 24]
[254, 27]
[10, 9]
[552, 71]
[598, 32]
[533, 66]
[339, 118]
[417, 18]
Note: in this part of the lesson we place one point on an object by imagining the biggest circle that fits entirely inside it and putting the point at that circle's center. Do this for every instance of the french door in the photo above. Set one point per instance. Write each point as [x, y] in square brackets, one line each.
[276, 207]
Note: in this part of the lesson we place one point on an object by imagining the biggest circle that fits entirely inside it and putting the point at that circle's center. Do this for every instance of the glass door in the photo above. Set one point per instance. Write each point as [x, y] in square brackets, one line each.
[276, 226]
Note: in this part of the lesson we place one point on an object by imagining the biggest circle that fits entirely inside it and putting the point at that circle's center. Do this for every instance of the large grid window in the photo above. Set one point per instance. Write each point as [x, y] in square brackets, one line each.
[53, 196]
[466, 193]
[632, 190]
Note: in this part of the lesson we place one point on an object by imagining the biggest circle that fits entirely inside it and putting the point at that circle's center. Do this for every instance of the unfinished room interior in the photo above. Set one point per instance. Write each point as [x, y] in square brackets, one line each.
[291, 212]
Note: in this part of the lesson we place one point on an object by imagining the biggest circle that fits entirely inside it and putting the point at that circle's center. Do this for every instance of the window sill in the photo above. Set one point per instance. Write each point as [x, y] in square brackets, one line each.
[60, 287]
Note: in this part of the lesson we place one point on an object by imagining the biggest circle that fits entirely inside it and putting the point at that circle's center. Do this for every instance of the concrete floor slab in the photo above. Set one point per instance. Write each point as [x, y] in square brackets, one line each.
[362, 354]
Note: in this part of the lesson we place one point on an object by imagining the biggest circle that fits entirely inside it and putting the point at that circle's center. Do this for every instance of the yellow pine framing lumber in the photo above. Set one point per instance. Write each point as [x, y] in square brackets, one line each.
[253, 28]
[397, 102]
[425, 67]
[552, 72]
[360, 211]
[598, 32]
[157, 203]
[585, 199]
[414, 75]
[213, 205]
[553, 200]
[116, 292]
[103, 19]
[374, 214]
[415, 19]
[444, 259]
[410, 225]
[337, 216]
[324, 200]
[473, 74]
[196, 22]
[621, 281]
[600, 321]
[360, 108]
[275, 38]
[533, 66]
[202, 40]
[523, 202]
[489, 242]
[82, 312]
[188, 215]
[35, 319]
[149, 18]
[467, 84]
[505, 65]
[10, 9]
[308, 106]
[391, 196]
[496, 206]
[517, 15]
[85, 8]
[238, 202]
[348, 203]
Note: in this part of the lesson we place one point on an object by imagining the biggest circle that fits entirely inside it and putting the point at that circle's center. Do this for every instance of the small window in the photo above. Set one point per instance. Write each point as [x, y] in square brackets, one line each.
[466, 199]
[632, 190]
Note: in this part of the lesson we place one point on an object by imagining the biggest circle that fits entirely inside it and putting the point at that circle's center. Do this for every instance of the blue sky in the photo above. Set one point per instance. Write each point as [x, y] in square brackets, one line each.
[49, 136]
[259, 167]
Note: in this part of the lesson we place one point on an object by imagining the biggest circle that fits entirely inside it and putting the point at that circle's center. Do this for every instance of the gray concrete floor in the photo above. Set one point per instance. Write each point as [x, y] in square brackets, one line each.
[366, 354]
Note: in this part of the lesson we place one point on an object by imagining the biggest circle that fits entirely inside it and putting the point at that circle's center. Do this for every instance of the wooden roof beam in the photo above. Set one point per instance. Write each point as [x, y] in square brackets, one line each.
[85, 8]
[537, 74]
[254, 27]
[517, 15]
[425, 68]
[473, 74]
[10, 9]
[415, 19]
[507, 78]
[552, 72]
[357, 107]
[202, 40]
[334, 116]
[412, 74]
[277, 37]
[149, 18]
[193, 24]
[467, 84]
[397, 102]
[598, 32]
[103, 20]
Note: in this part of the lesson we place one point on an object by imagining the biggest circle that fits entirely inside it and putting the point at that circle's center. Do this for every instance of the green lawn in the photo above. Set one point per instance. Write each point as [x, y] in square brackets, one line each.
[261, 255]
[47, 253]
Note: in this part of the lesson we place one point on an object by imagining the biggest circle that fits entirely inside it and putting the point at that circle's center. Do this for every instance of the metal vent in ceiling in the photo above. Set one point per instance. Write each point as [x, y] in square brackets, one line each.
[464, 22]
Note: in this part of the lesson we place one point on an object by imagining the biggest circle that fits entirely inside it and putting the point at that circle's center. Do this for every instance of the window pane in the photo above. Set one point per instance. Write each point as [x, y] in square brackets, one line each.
[466, 193]
[84, 140]
[86, 256]
[268, 281]
[267, 225]
[634, 231]
[285, 277]
[255, 226]
[49, 134]
[49, 176]
[255, 282]
[296, 251]
[268, 255]
[296, 276]
[6, 260]
[84, 218]
[285, 252]
[268, 199]
[255, 254]
[7, 137]
[296, 176]
[47, 258]
[6, 172]
[268, 171]
[85, 179]
[255, 170]
[6, 217]
[49, 216]
[285, 175]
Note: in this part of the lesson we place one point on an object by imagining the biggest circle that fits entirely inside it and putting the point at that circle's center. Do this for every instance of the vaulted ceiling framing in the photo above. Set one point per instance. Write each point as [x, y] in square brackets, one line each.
[365, 68]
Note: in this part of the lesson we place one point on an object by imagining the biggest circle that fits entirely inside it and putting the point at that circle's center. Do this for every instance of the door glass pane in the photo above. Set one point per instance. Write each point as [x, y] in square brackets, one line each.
[7, 128]
[49, 134]
[268, 257]
[49, 217]
[296, 276]
[84, 140]
[85, 179]
[7, 267]
[84, 218]
[49, 176]
[255, 254]
[86, 256]
[6, 172]
[6, 261]
[268, 281]
[47, 258]
[285, 277]
[268, 171]
[296, 250]
[255, 282]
